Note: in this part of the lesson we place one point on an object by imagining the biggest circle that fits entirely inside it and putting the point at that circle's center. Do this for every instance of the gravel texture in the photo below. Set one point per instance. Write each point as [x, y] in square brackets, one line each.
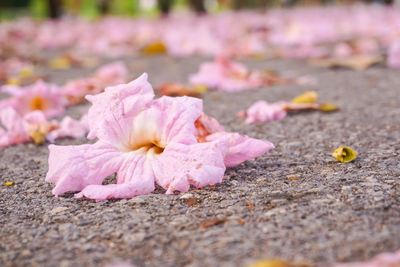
[295, 203]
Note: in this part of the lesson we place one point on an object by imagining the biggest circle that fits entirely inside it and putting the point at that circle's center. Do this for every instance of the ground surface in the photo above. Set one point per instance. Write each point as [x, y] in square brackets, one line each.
[296, 202]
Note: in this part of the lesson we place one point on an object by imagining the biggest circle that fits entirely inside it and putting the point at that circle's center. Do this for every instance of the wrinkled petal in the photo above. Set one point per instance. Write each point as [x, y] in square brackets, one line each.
[134, 177]
[200, 164]
[178, 117]
[111, 114]
[241, 148]
[68, 128]
[72, 168]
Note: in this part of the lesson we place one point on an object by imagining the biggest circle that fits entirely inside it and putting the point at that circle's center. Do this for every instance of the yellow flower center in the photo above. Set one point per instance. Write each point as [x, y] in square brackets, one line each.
[37, 103]
[145, 136]
[153, 147]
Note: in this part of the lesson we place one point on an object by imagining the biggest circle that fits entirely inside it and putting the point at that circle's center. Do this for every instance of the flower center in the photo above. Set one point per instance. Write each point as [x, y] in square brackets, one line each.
[148, 147]
[37, 103]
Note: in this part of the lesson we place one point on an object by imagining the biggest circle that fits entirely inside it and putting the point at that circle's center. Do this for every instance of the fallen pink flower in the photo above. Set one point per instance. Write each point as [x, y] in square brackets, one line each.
[108, 75]
[393, 59]
[69, 127]
[35, 127]
[387, 259]
[144, 141]
[14, 131]
[263, 111]
[112, 74]
[226, 75]
[76, 90]
[343, 49]
[47, 98]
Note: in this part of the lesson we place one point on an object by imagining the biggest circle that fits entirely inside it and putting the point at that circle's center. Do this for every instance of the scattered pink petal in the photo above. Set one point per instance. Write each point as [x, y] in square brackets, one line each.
[343, 50]
[112, 74]
[15, 131]
[393, 59]
[240, 148]
[69, 127]
[387, 259]
[108, 75]
[263, 111]
[226, 75]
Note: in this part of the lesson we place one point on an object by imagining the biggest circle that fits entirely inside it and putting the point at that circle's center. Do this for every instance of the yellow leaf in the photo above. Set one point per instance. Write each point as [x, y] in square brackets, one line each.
[38, 137]
[328, 107]
[13, 81]
[344, 154]
[26, 72]
[200, 89]
[9, 183]
[306, 97]
[154, 48]
[270, 263]
[60, 63]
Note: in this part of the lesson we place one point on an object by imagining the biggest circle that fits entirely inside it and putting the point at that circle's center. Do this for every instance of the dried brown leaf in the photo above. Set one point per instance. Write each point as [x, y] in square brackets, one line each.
[358, 62]
[212, 222]
[249, 205]
[192, 201]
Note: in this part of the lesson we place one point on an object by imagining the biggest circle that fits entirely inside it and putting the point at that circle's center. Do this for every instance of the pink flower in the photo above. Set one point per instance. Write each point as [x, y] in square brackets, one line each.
[35, 127]
[112, 74]
[393, 59]
[386, 259]
[108, 75]
[76, 90]
[226, 75]
[39, 96]
[144, 141]
[69, 127]
[343, 50]
[14, 131]
[263, 111]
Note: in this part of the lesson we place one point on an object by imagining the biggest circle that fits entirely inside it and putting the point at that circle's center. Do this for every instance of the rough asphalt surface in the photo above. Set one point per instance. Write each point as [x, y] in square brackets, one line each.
[295, 203]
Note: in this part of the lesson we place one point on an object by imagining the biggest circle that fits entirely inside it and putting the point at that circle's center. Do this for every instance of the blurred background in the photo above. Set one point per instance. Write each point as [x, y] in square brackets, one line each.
[10, 9]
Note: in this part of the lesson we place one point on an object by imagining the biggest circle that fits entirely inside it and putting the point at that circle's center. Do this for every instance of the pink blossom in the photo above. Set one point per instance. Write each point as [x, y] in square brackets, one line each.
[69, 127]
[41, 96]
[108, 75]
[343, 50]
[263, 111]
[76, 90]
[386, 259]
[144, 141]
[35, 127]
[14, 131]
[226, 75]
[393, 59]
[112, 74]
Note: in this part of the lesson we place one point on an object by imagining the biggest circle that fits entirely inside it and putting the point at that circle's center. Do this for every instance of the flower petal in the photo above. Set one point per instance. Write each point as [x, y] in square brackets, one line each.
[198, 164]
[111, 113]
[135, 177]
[68, 128]
[178, 116]
[241, 148]
[72, 168]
